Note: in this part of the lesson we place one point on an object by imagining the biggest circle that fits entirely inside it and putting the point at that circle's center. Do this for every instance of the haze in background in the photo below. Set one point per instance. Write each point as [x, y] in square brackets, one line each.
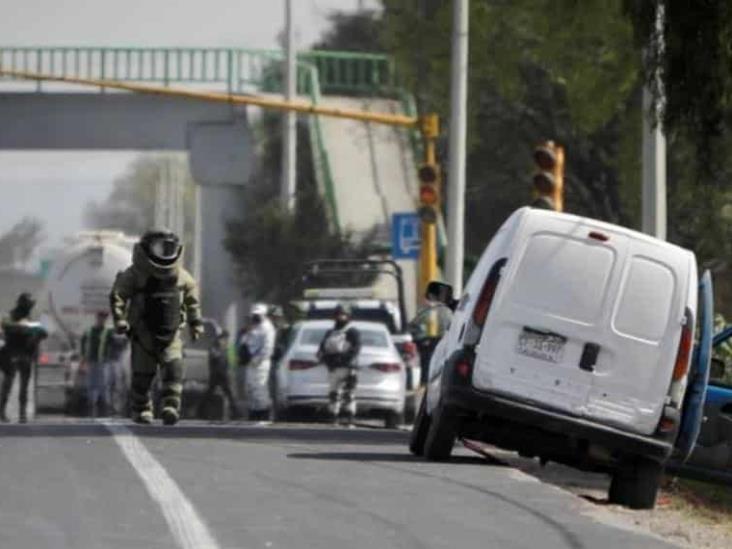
[55, 186]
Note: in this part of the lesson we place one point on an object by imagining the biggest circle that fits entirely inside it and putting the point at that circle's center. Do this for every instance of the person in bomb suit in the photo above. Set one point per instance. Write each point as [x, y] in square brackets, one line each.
[151, 302]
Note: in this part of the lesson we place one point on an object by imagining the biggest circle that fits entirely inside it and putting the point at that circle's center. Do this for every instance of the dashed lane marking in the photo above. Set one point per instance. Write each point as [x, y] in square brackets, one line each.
[188, 528]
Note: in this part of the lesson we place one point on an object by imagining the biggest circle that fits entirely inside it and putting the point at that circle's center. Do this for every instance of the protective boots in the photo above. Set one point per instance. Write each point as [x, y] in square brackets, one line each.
[169, 415]
[145, 417]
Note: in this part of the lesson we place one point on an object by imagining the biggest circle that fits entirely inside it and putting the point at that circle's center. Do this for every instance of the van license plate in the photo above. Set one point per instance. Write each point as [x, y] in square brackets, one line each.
[541, 345]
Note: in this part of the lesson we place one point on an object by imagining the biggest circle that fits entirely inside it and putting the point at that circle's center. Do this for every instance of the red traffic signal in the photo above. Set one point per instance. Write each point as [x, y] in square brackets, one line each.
[428, 195]
[429, 191]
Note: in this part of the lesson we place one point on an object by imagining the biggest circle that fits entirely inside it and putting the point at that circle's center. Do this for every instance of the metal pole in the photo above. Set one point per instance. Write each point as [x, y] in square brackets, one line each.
[289, 141]
[654, 154]
[458, 133]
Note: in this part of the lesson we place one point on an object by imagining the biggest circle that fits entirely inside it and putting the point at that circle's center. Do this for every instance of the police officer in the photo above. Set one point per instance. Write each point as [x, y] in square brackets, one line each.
[151, 301]
[22, 337]
[338, 350]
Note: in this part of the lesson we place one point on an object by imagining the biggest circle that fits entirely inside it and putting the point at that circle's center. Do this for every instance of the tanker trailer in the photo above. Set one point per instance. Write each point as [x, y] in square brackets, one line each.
[77, 288]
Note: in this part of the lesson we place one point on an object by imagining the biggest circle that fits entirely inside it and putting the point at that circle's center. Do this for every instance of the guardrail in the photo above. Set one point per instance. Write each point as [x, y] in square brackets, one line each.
[234, 69]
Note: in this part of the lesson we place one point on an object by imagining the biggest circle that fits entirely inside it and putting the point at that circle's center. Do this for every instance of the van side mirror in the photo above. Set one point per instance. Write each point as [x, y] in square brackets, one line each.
[441, 293]
[717, 368]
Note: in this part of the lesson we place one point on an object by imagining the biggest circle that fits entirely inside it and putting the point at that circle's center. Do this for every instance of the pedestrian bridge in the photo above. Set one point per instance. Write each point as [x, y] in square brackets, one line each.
[365, 172]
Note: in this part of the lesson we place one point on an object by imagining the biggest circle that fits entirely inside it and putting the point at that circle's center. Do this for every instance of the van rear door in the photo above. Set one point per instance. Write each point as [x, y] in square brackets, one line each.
[634, 366]
[693, 408]
[546, 331]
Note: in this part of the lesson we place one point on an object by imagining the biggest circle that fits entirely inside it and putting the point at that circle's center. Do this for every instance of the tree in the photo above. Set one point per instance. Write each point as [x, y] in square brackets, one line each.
[351, 32]
[271, 246]
[19, 243]
[572, 71]
[692, 56]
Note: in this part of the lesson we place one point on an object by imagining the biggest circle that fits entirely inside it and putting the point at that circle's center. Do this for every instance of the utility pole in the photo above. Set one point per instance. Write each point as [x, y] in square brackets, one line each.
[654, 150]
[458, 137]
[289, 130]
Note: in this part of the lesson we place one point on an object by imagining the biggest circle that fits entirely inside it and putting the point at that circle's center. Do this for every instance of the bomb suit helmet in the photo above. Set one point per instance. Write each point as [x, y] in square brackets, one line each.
[161, 246]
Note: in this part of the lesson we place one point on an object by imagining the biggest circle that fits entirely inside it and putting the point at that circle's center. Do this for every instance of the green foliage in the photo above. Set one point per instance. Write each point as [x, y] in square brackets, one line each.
[351, 32]
[693, 56]
[571, 71]
[271, 246]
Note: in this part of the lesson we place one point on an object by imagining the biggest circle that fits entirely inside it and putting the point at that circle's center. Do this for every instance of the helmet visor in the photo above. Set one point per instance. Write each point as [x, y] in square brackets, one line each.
[165, 249]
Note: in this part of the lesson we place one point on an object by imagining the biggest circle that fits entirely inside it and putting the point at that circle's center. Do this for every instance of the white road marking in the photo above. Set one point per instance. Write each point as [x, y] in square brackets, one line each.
[188, 528]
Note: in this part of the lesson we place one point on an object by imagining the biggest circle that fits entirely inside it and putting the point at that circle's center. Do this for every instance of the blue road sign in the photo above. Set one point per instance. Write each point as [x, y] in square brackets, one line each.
[406, 236]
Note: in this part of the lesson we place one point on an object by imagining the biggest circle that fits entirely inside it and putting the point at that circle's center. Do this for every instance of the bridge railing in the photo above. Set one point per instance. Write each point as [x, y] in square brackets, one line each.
[236, 70]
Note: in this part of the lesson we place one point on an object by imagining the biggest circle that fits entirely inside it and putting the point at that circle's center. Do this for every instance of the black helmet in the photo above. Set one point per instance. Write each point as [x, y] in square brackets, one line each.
[25, 301]
[162, 246]
[342, 310]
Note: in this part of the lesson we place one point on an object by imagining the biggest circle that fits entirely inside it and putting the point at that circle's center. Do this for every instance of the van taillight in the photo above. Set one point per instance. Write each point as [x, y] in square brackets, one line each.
[302, 364]
[489, 290]
[685, 344]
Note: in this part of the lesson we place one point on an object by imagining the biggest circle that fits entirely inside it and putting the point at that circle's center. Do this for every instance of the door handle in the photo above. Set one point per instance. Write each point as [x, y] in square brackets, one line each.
[589, 357]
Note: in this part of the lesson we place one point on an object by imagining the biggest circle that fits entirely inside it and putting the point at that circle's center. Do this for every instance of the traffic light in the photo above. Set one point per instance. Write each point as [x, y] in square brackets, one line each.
[429, 192]
[548, 179]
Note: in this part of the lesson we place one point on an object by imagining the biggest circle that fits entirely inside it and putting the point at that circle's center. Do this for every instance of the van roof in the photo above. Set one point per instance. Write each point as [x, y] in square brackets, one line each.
[526, 213]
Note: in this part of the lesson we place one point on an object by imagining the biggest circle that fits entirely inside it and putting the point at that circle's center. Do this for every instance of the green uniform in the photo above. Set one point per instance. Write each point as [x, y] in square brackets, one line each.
[129, 303]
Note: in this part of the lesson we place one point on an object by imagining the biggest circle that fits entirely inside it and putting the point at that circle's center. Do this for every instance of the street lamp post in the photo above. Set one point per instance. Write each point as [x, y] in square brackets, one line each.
[289, 130]
[458, 136]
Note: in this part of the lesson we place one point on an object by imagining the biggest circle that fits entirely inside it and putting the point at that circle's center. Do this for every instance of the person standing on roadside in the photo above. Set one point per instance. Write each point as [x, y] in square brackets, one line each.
[259, 342]
[20, 353]
[338, 350]
[95, 357]
[218, 376]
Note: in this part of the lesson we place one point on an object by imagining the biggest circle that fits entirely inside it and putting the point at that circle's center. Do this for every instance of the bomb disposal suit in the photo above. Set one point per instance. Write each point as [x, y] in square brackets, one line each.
[152, 301]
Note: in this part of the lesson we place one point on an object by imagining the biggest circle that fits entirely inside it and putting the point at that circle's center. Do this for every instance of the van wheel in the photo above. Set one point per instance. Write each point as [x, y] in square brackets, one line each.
[419, 429]
[441, 435]
[635, 484]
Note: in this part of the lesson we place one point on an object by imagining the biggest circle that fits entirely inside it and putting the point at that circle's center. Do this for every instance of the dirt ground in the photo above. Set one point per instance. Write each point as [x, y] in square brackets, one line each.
[688, 514]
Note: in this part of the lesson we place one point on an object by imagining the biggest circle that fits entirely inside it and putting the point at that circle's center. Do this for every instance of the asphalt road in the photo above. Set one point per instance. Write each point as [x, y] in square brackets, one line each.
[85, 485]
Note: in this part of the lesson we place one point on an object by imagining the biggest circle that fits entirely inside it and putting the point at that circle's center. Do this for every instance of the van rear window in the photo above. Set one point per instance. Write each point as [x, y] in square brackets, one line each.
[645, 303]
[564, 277]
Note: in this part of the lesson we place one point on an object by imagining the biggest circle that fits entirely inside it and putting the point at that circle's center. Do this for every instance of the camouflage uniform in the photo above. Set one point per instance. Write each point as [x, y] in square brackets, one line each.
[127, 300]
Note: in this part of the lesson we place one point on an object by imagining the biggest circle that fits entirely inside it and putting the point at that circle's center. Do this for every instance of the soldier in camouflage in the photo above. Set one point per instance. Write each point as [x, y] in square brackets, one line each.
[151, 302]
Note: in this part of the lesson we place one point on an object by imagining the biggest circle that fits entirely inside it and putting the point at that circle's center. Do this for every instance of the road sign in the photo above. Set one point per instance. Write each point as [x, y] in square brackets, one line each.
[405, 235]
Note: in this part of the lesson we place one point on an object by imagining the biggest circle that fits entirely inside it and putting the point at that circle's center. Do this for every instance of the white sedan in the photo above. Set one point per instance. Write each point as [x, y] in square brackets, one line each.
[302, 381]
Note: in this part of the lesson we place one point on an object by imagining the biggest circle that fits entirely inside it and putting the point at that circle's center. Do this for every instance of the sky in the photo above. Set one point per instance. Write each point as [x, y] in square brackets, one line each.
[42, 181]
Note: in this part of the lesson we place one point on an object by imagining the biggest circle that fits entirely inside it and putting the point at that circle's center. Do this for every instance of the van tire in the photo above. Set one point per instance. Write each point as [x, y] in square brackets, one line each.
[635, 484]
[441, 435]
[420, 429]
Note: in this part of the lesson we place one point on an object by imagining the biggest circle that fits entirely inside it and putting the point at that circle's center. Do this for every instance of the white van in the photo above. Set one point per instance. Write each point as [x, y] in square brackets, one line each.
[572, 342]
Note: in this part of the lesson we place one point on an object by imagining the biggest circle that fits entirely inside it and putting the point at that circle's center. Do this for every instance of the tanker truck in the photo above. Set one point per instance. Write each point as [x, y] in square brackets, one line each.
[77, 287]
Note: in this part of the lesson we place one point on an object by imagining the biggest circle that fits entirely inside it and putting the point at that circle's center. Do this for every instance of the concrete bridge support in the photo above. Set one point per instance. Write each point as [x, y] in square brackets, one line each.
[216, 136]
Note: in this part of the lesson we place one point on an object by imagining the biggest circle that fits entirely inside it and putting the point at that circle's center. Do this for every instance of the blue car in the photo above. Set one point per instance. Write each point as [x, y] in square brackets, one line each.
[711, 459]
